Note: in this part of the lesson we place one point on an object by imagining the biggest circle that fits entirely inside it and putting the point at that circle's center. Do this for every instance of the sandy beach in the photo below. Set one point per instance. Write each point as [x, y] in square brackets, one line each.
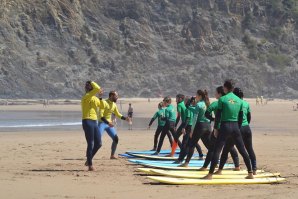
[50, 164]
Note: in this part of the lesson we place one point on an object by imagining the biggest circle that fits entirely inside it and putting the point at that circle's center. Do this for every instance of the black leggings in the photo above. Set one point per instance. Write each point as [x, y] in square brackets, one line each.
[185, 148]
[210, 153]
[170, 126]
[178, 133]
[229, 130]
[157, 133]
[201, 131]
[247, 139]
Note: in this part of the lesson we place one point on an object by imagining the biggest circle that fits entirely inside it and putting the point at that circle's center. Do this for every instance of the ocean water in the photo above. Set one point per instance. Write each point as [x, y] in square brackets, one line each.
[53, 120]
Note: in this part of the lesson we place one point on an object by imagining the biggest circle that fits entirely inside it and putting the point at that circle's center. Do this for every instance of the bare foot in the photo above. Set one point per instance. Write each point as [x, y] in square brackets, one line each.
[183, 165]
[201, 158]
[218, 172]
[249, 176]
[208, 177]
[254, 172]
[202, 169]
[91, 168]
[113, 157]
[236, 169]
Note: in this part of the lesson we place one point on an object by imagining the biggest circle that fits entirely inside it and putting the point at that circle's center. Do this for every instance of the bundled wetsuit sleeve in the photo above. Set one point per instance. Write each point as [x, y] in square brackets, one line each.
[208, 115]
[153, 118]
[240, 116]
[184, 124]
[248, 115]
[177, 121]
[178, 115]
[218, 114]
[102, 110]
[105, 120]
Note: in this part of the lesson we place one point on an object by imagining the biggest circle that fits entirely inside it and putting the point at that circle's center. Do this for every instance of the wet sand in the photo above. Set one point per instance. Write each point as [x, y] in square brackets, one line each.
[49, 164]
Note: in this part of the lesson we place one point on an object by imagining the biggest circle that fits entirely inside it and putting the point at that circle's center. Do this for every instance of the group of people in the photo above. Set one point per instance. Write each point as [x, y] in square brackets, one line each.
[97, 118]
[261, 100]
[230, 129]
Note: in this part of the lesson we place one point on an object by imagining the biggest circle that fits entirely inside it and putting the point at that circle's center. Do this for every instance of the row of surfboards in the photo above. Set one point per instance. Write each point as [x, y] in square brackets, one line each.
[162, 169]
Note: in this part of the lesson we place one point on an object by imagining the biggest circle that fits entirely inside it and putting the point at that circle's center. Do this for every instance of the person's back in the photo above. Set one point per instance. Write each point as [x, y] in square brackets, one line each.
[170, 113]
[230, 105]
[230, 115]
[201, 113]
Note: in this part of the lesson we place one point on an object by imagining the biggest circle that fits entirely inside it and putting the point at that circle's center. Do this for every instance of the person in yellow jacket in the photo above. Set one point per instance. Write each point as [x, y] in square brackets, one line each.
[90, 104]
[105, 121]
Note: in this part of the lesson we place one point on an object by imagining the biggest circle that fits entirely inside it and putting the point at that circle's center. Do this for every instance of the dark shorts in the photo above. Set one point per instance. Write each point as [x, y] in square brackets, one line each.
[130, 114]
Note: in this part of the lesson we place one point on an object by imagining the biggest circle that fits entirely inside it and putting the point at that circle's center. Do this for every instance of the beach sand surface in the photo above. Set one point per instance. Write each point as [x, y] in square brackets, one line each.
[50, 164]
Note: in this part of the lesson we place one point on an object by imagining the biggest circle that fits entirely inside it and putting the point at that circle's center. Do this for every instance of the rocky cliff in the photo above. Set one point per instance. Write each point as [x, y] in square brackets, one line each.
[147, 48]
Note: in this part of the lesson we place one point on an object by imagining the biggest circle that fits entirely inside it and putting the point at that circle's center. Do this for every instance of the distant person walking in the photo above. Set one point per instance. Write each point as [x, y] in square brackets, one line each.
[130, 114]
[262, 99]
[44, 103]
[90, 103]
[257, 100]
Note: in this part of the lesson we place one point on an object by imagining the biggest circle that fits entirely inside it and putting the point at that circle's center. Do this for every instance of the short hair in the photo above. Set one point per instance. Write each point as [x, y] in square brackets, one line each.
[229, 84]
[167, 99]
[112, 93]
[180, 96]
[160, 104]
[238, 92]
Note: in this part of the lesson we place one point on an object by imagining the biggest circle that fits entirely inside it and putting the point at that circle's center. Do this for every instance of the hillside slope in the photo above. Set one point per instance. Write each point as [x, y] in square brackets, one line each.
[147, 48]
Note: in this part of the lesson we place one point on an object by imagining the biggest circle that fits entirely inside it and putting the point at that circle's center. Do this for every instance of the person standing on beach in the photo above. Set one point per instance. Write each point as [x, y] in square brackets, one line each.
[105, 121]
[130, 114]
[262, 99]
[230, 116]
[181, 113]
[201, 129]
[245, 133]
[89, 104]
[186, 130]
[170, 118]
[208, 114]
[159, 115]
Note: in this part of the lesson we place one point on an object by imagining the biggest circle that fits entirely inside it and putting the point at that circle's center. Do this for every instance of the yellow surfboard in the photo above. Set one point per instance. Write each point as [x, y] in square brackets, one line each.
[152, 171]
[177, 168]
[200, 174]
[188, 181]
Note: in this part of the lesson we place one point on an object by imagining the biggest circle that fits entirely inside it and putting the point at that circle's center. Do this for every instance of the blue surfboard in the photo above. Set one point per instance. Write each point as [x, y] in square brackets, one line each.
[148, 152]
[171, 162]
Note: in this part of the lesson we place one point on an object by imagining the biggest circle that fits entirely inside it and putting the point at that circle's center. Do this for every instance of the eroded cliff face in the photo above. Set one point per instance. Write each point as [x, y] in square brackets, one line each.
[147, 48]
